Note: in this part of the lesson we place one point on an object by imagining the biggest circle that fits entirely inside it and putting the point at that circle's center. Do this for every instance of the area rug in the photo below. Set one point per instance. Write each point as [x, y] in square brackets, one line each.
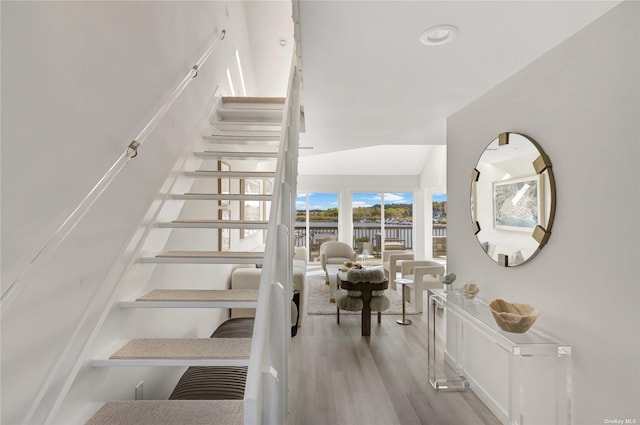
[318, 298]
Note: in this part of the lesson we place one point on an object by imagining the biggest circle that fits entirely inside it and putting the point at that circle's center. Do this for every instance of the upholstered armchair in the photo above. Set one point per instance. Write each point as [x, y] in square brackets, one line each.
[425, 275]
[334, 252]
[391, 267]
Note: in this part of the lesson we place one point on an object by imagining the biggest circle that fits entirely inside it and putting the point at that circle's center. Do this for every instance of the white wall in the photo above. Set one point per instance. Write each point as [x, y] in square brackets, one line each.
[434, 172]
[79, 81]
[433, 179]
[580, 101]
[373, 183]
[270, 21]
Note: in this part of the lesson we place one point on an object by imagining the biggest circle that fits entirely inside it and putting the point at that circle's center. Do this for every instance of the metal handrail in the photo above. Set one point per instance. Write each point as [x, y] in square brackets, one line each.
[83, 207]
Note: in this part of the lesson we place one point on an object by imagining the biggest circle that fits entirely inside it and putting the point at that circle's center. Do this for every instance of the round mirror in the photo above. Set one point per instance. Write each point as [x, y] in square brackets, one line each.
[513, 199]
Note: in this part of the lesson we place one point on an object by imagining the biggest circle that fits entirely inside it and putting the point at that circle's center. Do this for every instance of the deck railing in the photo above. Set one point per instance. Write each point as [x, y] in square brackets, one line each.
[372, 232]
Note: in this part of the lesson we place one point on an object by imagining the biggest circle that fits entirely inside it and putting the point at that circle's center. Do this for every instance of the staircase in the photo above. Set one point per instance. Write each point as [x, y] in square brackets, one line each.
[242, 132]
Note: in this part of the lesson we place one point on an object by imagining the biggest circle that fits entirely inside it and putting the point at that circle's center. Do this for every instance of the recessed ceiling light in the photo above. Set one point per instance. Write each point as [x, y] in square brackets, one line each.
[440, 34]
[282, 41]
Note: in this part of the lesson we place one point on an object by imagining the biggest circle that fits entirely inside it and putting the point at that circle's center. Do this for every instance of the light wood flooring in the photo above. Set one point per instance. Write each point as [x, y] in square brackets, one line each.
[338, 377]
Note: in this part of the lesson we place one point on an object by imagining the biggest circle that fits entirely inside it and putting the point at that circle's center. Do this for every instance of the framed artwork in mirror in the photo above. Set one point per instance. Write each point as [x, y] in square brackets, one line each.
[516, 204]
[250, 210]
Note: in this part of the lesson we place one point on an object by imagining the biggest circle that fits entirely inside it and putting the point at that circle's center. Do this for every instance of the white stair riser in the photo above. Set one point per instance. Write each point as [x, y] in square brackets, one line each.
[247, 114]
[273, 134]
[220, 225]
[221, 197]
[237, 126]
[230, 174]
[236, 155]
[271, 142]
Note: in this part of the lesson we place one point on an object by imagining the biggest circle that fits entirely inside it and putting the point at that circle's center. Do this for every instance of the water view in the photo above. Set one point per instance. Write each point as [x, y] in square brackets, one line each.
[367, 212]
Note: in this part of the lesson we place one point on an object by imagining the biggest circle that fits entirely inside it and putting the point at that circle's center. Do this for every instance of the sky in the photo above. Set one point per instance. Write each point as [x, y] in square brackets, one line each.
[323, 201]
[439, 197]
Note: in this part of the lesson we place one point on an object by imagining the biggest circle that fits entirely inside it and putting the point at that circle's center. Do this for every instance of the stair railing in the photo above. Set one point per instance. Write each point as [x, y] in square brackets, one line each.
[59, 236]
[266, 391]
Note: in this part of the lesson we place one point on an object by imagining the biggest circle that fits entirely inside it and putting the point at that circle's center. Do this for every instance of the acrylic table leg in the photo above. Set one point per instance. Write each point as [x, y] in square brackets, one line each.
[456, 384]
[431, 349]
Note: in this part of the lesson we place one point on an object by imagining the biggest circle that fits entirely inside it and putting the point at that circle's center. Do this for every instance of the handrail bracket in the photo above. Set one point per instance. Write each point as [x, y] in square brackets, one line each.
[132, 149]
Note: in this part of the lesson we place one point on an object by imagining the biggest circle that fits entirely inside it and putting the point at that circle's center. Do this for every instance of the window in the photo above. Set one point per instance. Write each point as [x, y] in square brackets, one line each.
[367, 222]
[398, 221]
[321, 211]
[439, 203]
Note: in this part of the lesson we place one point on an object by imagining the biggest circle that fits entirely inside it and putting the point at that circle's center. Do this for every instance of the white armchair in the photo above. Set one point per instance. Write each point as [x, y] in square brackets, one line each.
[391, 266]
[425, 275]
[336, 253]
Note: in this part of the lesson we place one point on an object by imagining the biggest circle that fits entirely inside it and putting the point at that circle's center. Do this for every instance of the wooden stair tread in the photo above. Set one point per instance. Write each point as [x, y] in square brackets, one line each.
[236, 155]
[272, 140]
[248, 99]
[239, 154]
[212, 254]
[246, 195]
[215, 224]
[221, 196]
[169, 412]
[230, 174]
[206, 257]
[273, 135]
[194, 220]
[200, 295]
[184, 349]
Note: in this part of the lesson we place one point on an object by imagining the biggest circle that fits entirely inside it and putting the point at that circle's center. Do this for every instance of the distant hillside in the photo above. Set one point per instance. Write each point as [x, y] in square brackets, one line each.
[399, 212]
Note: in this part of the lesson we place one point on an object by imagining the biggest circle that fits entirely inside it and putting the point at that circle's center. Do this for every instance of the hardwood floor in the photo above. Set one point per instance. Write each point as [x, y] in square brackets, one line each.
[338, 377]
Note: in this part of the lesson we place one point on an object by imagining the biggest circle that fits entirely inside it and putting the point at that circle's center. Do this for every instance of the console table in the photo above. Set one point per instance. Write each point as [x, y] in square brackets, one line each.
[536, 381]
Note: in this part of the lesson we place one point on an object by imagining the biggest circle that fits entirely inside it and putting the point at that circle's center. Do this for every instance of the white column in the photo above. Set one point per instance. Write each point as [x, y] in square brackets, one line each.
[418, 223]
[423, 224]
[428, 223]
[345, 216]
